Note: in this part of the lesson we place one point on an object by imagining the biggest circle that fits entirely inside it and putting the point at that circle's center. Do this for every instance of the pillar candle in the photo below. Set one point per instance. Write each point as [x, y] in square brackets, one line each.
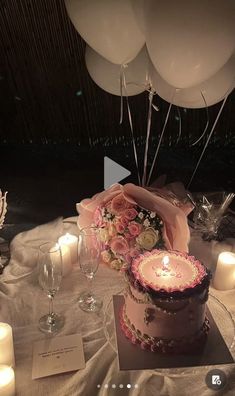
[6, 345]
[66, 260]
[62, 256]
[7, 381]
[224, 278]
[69, 251]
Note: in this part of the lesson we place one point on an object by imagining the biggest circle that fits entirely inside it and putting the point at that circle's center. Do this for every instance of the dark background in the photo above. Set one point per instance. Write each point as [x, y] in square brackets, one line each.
[56, 124]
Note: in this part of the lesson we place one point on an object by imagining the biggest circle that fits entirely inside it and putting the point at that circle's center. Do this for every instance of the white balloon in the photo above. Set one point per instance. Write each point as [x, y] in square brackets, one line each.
[107, 75]
[190, 40]
[214, 89]
[108, 26]
[140, 8]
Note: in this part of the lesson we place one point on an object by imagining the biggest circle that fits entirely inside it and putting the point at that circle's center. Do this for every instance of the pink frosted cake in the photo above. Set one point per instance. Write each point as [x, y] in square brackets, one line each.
[165, 302]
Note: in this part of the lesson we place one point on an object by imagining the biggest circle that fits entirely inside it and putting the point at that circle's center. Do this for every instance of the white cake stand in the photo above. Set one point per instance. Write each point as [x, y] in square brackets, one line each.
[221, 315]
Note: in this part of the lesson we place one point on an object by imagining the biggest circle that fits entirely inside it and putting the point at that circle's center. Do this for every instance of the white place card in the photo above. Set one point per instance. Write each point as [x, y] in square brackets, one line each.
[57, 355]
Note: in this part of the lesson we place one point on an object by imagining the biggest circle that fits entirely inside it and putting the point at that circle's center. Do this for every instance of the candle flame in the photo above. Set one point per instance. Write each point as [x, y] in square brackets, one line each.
[3, 332]
[227, 257]
[166, 261]
[6, 375]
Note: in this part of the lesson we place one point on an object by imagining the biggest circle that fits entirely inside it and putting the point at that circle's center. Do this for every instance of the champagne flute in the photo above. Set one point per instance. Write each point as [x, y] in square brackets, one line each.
[89, 258]
[49, 277]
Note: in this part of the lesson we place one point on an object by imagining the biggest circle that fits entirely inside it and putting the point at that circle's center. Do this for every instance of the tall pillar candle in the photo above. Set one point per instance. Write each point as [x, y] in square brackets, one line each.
[69, 251]
[7, 381]
[6, 345]
[224, 278]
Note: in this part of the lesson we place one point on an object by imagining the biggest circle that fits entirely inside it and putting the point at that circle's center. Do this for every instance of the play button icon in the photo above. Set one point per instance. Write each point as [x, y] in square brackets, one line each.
[113, 172]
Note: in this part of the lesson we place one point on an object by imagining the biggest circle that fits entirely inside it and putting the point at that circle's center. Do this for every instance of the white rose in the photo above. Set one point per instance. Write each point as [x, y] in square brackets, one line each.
[116, 264]
[148, 238]
[104, 235]
[106, 256]
[112, 230]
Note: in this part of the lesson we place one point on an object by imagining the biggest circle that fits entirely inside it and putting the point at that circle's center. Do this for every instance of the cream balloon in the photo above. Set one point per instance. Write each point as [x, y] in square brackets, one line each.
[108, 26]
[107, 75]
[214, 89]
[190, 40]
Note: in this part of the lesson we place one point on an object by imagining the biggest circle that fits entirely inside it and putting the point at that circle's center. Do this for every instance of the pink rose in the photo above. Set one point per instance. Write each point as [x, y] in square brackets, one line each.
[134, 228]
[119, 245]
[134, 252]
[128, 258]
[119, 204]
[124, 221]
[130, 214]
[128, 236]
[120, 228]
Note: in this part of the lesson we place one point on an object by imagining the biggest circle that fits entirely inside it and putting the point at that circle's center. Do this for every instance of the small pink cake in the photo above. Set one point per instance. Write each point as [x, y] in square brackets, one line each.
[165, 302]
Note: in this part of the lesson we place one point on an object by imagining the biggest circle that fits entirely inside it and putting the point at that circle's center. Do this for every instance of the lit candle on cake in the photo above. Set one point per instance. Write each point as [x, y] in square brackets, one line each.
[7, 381]
[166, 270]
[224, 278]
[173, 271]
[6, 345]
[165, 263]
[69, 251]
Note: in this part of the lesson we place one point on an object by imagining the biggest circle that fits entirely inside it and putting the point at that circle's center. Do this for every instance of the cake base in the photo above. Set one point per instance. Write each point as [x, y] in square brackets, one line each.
[132, 357]
[181, 345]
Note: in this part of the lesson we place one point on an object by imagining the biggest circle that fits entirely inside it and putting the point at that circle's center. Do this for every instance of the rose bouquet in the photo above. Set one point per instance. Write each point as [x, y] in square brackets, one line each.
[127, 230]
[132, 219]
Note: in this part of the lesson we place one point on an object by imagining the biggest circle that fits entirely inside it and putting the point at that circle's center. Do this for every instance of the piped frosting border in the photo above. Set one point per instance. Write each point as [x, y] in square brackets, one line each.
[162, 293]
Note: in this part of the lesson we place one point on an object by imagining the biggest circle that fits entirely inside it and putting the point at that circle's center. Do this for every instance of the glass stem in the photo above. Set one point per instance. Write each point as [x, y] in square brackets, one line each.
[90, 283]
[51, 305]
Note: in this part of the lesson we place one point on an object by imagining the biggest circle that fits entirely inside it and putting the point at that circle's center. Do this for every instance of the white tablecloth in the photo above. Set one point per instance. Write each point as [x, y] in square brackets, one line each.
[22, 303]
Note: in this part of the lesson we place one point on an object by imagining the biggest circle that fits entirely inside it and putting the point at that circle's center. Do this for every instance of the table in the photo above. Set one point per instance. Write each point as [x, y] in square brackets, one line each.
[22, 303]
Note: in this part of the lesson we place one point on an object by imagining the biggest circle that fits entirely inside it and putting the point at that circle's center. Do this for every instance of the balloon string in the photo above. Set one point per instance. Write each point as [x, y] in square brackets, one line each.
[121, 79]
[150, 97]
[159, 143]
[180, 125]
[131, 127]
[208, 139]
[207, 122]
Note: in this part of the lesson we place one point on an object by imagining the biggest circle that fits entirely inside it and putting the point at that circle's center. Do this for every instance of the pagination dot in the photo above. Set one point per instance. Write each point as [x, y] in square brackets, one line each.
[113, 386]
[136, 386]
[106, 386]
[128, 386]
[121, 386]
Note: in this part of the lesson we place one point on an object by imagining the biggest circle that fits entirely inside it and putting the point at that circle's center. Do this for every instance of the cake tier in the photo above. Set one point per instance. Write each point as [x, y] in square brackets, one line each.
[165, 319]
[179, 345]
